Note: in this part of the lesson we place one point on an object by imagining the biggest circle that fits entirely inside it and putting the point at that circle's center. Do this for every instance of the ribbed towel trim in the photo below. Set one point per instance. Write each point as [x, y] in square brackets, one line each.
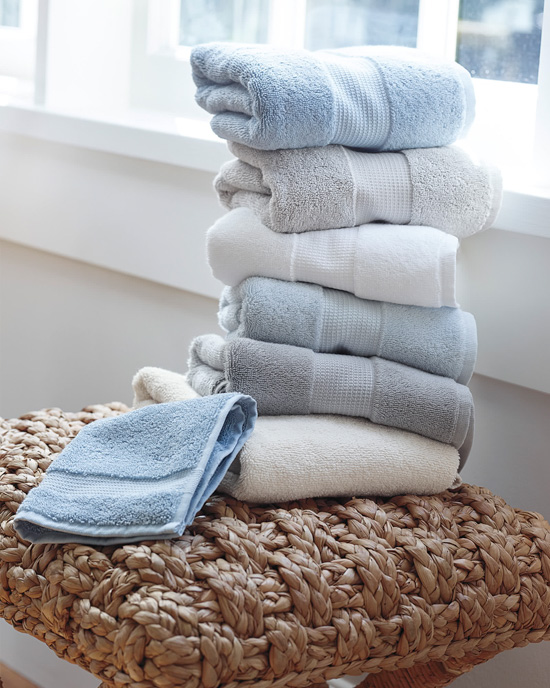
[361, 108]
[464, 417]
[353, 391]
[465, 449]
[495, 178]
[383, 187]
[448, 273]
[339, 325]
[469, 110]
[470, 349]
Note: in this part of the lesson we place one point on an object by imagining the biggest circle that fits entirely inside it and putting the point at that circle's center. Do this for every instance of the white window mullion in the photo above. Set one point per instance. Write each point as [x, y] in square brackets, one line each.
[17, 44]
[88, 55]
[163, 21]
[41, 60]
[287, 23]
[28, 17]
[437, 27]
[542, 128]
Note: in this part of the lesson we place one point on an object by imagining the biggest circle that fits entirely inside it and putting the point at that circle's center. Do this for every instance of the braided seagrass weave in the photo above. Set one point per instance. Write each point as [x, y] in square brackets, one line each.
[414, 590]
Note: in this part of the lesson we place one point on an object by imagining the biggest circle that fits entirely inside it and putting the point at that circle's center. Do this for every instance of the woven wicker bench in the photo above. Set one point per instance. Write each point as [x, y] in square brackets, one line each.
[413, 590]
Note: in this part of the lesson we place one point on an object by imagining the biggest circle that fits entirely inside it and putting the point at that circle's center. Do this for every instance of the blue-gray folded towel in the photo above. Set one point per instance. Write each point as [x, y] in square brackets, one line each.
[139, 476]
[375, 98]
[442, 341]
[290, 380]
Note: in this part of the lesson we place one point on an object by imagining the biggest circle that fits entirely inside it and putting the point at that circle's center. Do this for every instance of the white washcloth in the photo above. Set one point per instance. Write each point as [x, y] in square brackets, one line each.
[297, 457]
[411, 265]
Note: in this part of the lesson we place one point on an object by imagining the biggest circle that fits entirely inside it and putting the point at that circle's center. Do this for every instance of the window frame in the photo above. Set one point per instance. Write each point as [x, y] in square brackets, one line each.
[131, 139]
[436, 35]
[17, 44]
[156, 84]
[542, 121]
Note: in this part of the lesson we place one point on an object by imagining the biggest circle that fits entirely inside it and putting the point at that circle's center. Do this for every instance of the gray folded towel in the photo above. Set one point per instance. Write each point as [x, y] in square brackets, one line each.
[331, 187]
[442, 341]
[290, 380]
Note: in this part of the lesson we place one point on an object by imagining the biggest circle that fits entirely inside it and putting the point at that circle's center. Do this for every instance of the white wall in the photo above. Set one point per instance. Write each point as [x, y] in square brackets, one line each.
[149, 220]
[73, 333]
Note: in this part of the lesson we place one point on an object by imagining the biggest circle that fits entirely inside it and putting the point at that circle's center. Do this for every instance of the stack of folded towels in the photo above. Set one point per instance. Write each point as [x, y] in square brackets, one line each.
[343, 329]
[346, 206]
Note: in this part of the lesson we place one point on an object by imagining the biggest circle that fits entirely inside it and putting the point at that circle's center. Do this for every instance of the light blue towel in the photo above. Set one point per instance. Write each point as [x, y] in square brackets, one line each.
[139, 476]
[376, 98]
[442, 341]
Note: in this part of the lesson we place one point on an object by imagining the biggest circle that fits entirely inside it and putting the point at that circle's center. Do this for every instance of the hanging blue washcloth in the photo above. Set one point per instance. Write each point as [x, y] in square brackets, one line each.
[140, 476]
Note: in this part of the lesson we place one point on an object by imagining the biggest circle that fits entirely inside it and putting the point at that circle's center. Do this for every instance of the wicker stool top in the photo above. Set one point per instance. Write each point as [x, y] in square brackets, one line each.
[286, 595]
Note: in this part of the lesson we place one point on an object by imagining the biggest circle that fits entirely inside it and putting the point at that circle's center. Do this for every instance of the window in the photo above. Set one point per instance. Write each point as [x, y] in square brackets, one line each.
[17, 46]
[498, 41]
[495, 39]
[143, 67]
[10, 13]
[343, 23]
[244, 21]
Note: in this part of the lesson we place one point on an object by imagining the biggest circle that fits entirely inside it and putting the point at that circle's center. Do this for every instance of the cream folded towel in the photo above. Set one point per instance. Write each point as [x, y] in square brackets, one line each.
[297, 457]
[410, 265]
[331, 187]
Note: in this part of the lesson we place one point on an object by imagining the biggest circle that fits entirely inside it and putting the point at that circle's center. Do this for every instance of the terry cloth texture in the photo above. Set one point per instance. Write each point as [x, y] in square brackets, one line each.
[290, 380]
[140, 476]
[327, 188]
[404, 264]
[297, 457]
[442, 341]
[378, 98]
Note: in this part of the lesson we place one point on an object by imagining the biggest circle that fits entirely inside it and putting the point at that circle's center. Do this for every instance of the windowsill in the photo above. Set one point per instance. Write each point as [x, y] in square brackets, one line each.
[149, 136]
[104, 210]
[191, 144]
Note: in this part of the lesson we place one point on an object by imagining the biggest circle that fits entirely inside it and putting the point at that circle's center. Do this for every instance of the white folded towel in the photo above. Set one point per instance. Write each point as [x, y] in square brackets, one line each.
[297, 457]
[407, 264]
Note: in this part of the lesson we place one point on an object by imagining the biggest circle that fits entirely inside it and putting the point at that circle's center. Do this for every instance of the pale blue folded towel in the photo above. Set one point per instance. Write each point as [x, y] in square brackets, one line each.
[375, 98]
[140, 476]
[442, 341]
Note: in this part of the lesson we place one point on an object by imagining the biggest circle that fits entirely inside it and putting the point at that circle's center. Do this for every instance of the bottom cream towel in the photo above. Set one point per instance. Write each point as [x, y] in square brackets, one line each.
[298, 457]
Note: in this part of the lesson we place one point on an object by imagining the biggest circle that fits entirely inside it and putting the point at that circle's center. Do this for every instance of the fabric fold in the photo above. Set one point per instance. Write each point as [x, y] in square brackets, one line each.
[139, 476]
[375, 97]
[290, 380]
[297, 457]
[402, 264]
[441, 341]
[307, 189]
